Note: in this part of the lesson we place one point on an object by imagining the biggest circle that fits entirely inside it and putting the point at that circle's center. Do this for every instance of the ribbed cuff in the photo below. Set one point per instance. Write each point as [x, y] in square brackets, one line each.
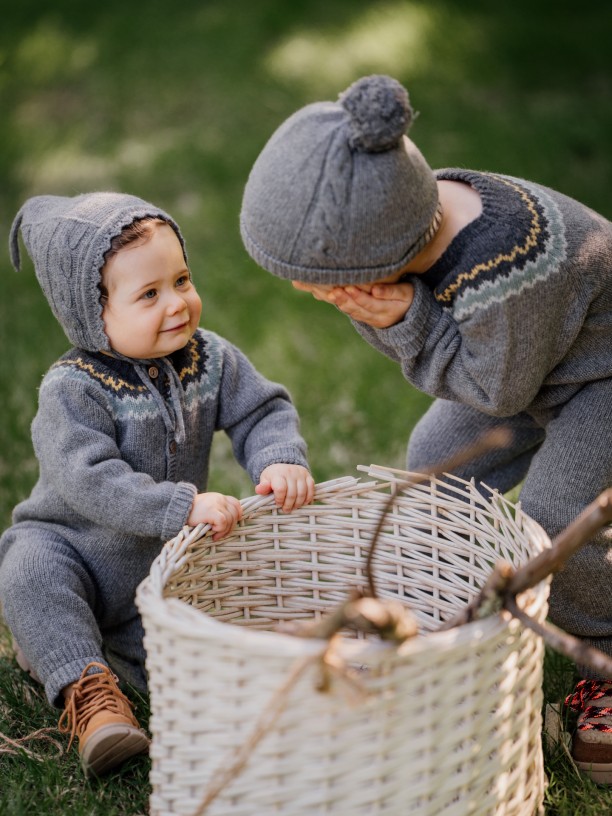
[178, 510]
[65, 666]
[278, 454]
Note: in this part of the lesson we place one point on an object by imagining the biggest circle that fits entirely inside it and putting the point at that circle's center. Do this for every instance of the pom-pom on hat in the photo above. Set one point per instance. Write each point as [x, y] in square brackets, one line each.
[67, 238]
[338, 195]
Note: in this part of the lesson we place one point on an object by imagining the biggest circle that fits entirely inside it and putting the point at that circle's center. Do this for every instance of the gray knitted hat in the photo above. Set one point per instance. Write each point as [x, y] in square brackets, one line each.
[67, 239]
[338, 195]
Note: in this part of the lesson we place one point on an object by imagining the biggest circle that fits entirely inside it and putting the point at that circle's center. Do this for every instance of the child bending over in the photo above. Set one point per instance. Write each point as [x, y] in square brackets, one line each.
[493, 294]
[123, 436]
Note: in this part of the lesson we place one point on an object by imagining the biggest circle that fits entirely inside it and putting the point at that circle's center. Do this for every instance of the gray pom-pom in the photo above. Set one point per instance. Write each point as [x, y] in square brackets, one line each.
[380, 112]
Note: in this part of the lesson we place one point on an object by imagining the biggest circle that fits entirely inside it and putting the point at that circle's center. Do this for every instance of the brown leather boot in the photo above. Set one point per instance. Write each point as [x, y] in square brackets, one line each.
[100, 715]
[592, 742]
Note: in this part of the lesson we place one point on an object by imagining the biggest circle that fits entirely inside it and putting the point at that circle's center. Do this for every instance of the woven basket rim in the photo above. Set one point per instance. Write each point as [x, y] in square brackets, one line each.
[174, 614]
[195, 624]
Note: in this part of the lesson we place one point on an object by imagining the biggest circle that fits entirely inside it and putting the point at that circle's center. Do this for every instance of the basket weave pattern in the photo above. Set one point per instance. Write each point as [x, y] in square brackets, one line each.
[447, 723]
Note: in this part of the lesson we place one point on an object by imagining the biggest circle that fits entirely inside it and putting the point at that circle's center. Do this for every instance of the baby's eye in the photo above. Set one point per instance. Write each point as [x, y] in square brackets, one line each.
[183, 280]
[150, 294]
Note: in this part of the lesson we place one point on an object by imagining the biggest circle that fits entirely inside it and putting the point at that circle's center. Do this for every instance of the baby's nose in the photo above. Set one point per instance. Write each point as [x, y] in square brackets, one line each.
[176, 303]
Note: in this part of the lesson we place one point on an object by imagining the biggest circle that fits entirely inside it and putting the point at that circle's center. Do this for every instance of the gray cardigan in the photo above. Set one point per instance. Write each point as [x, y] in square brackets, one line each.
[115, 478]
[517, 313]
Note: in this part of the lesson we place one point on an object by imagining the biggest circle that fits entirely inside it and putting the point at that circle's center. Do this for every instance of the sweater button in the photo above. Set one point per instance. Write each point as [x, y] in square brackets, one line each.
[153, 372]
[172, 447]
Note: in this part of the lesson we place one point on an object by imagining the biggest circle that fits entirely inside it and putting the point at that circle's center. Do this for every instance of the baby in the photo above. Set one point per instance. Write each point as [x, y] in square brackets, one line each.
[123, 436]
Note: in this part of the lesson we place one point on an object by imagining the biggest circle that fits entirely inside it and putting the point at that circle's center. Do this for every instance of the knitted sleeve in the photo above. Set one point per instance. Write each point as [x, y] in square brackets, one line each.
[497, 358]
[258, 416]
[81, 468]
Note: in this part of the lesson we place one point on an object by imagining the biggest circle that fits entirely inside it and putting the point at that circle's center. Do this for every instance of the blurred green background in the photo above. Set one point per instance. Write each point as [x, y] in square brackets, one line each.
[173, 102]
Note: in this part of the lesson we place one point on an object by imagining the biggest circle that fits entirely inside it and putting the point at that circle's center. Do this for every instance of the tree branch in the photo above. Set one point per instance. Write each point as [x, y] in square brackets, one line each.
[577, 650]
[496, 438]
[568, 542]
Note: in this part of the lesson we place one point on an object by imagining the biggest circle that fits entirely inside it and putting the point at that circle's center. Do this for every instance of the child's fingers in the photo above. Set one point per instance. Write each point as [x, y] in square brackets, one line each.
[221, 522]
[367, 308]
[292, 485]
[394, 291]
[235, 508]
[310, 489]
[296, 492]
[323, 292]
[304, 491]
[263, 488]
[284, 492]
[225, 517]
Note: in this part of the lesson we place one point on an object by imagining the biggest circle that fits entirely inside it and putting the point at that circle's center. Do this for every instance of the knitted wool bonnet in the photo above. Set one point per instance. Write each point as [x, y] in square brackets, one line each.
[338, 195]
[67, 237]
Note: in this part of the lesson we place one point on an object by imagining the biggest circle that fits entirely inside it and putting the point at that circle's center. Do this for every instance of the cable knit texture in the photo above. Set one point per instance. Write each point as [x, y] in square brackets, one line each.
[123, 447]
[115, 484]
[513, 326]
[67, 237]
[380, 113]
[338, 194]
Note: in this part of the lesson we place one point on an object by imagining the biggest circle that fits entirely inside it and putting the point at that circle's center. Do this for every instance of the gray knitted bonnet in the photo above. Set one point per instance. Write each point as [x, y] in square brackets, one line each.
[338, 195]
[67, 237]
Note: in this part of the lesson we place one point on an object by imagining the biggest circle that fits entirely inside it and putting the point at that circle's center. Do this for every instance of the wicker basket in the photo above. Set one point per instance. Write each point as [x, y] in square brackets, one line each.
[447, 723]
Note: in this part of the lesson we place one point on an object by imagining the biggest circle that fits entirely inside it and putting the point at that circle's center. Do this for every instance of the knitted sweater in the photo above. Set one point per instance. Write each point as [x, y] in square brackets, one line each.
[517, 313]
[115, 479]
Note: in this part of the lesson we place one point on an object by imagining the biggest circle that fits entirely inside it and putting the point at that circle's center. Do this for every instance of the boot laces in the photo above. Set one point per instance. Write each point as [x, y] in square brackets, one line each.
[91, 694]
[581, 701]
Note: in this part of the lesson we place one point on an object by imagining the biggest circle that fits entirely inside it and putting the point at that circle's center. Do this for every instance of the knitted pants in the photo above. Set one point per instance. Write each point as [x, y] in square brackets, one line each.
[566, 462]
[53, 608]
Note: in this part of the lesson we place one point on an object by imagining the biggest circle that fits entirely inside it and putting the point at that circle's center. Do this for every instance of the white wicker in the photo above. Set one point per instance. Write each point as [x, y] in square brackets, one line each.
[448, 723]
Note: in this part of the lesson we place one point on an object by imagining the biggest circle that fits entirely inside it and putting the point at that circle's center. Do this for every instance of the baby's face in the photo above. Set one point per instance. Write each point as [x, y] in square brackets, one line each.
[153, 307]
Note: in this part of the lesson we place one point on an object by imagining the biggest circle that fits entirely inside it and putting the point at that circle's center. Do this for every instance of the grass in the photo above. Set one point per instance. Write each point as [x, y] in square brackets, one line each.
[173, 103]
[38, 775]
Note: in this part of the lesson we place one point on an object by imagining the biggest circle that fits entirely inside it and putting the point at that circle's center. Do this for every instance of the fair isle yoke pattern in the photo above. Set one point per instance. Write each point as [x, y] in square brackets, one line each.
[198, 365]
[529, 242]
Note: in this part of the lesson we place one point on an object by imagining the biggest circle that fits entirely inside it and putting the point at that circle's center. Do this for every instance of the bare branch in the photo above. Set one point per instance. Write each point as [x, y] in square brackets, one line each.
[568, 542]
[496, 438]
[390, 620]
[489, 600]
[574, 648]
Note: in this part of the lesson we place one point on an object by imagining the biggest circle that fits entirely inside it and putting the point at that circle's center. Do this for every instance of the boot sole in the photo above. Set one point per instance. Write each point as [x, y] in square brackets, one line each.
[599, 772]
[110, 746]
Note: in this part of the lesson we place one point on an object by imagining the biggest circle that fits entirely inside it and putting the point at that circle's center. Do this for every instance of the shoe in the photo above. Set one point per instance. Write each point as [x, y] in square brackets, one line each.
[22, 662]
[100, 715]
[592, 742]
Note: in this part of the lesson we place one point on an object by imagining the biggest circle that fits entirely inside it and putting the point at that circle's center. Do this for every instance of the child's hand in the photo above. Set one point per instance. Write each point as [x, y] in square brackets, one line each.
[379, 305]
[221, 512]
[292, 485]
[383, 306]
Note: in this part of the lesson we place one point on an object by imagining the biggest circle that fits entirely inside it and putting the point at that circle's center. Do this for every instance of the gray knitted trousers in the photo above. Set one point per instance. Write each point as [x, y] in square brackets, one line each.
[565, 459]
[53, 608]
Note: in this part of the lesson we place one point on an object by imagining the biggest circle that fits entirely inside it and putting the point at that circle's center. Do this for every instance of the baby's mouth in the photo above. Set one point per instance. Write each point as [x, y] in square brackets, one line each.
[178, 327]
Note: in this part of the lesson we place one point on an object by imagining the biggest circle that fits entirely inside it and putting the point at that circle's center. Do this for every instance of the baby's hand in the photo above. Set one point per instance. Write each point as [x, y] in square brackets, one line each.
[384, 305]
[221, 512]
[292, 485]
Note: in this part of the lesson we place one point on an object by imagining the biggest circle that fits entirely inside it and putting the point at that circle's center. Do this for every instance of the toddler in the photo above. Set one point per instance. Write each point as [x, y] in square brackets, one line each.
[492, 293]
[123, 435]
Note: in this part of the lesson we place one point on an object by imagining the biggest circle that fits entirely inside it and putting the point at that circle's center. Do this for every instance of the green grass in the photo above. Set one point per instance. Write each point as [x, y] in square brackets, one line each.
[38, 775]
[173, 103]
